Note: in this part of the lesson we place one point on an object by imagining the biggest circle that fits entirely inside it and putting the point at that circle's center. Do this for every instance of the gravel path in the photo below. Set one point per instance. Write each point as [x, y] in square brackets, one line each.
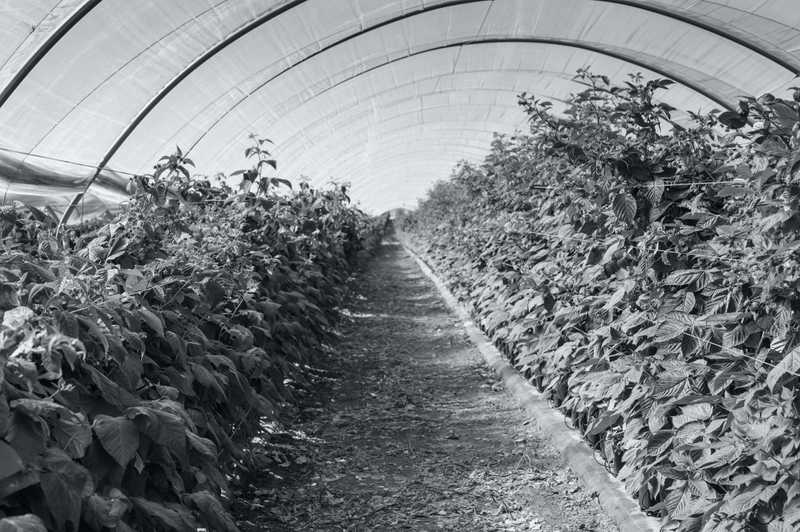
[410, 431]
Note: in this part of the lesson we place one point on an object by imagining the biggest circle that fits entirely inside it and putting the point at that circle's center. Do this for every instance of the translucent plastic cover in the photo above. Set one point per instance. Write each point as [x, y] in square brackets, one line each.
[386, 94]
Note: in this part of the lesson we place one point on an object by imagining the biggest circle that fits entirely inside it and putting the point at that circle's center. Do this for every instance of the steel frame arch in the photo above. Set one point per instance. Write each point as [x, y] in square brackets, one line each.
[45, 47]
[87, 7]
[224, 151]
[424, 9]
[555, 74]
[523, 40]
[686, 19]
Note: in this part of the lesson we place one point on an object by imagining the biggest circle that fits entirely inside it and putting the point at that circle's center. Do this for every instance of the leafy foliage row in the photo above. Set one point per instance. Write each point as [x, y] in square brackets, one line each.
[644, 273]
[139, 354]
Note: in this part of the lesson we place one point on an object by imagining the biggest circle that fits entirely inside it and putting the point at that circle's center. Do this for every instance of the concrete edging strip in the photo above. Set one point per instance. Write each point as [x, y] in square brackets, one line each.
[620, 507]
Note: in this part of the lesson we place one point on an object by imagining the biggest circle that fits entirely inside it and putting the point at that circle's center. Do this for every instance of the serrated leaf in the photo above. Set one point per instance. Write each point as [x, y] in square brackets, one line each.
[689, 345]
[712, 320]
[615, 298]
[603, 424]
[691, 413]
[789, 365]
[683, 277]
[624, 206]
[689, 302]
[735, 337]
[656, 191]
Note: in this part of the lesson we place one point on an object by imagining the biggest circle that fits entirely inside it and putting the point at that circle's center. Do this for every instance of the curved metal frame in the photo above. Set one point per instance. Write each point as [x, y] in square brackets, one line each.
[90, 4]
[404, 85]
[97, 87]
[425, 9]
[494, 40]
[709, 28]
[444, 133]
[448, 135]
[451, 157]
[393, 103]
[197, 63]
[386, 91]
[622, 57]
[222, 153]
[46, 46]
[224, 44]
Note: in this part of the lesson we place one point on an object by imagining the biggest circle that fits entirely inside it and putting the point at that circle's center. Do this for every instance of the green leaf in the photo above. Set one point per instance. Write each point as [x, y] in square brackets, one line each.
[615, 298]
[18, 482]
[279, 181]
[168, 518]
[65, 484]
[22, 523]
[202, 446]
[656, 191]
[603, 424]
[10, 462]
[70, 429]
[212, 512]
[732, 120]
[735, 337]
[152, 321]
[789, 365]
[18, 317]
[107, 512]
[624, 207]
[118, 436]
[747, 499]
[683, 277]
[111, 391]
[163, 427]
[691, 413]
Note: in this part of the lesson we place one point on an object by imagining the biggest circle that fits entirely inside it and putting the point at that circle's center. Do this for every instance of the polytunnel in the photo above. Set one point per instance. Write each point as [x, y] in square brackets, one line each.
[385, 94]
[473, 265]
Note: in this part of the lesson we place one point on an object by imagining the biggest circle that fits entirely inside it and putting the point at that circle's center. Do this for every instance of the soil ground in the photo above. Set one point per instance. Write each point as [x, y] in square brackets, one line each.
[409, 430]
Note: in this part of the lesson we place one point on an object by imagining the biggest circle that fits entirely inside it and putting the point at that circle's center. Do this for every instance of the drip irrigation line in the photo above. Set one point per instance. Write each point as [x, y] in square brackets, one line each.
[195, 19]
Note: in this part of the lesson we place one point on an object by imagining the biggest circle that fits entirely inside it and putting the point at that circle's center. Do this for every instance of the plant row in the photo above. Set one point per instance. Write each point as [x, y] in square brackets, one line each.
[142, 352]
[643, 272]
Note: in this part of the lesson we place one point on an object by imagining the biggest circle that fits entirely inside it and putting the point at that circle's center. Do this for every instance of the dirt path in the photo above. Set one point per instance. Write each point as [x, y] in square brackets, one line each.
[414, 433]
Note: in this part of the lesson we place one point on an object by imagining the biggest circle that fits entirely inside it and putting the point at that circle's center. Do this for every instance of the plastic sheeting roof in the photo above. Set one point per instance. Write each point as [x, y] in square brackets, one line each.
[386, 94]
